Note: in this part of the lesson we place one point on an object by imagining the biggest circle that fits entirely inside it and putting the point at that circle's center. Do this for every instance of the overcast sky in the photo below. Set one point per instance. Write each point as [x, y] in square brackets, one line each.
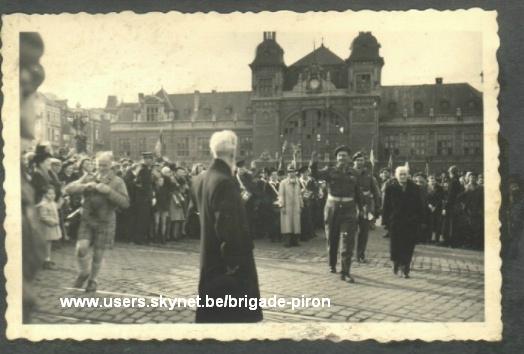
[84, 63]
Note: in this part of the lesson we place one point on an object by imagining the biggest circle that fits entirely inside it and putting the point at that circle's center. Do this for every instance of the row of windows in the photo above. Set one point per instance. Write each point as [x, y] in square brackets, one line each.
[418, 144]
[153, 113]
[444, 107]
[182, 146]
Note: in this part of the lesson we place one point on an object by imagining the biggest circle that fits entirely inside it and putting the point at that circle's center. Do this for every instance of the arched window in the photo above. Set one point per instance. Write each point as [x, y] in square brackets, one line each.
[418, 107]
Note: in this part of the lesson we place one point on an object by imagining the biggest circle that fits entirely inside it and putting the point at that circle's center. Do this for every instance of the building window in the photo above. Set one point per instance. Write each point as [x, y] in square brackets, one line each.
[203, 147]
[265, 87]
[229, 109]
[472, 144]
[152, 114]
[444, 106]
[245, 145]
[125, 146]
[363, 83]
[392, 108]
[391, 145]
[182, 146]
[417, 143]
[418, 107]
[142, 144]
[444, 144]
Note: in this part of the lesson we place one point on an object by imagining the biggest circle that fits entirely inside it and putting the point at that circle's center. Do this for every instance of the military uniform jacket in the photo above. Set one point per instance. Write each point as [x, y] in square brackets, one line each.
[370, 190]
[340, 182]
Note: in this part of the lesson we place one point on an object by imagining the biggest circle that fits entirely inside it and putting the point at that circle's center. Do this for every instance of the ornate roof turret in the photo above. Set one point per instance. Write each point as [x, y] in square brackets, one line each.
[269, 52]
[365, 48]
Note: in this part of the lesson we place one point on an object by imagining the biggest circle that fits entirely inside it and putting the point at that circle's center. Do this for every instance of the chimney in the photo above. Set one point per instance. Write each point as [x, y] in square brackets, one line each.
[196, 101]
[265, 35]
[140, 97]
[274, 36]
[438, 80]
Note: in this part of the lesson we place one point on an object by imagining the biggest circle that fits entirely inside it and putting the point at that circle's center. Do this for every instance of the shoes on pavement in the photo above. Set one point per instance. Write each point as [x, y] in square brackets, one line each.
[333, 270]
[395, 268]
[347, 278]
[91, 286]
[80, 280]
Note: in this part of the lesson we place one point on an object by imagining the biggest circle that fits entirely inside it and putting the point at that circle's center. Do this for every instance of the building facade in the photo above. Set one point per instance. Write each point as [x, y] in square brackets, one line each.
[48, 124]
[315, 104]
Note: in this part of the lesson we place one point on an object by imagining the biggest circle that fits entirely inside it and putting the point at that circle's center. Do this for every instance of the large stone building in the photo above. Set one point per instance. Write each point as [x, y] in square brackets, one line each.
[317, 103]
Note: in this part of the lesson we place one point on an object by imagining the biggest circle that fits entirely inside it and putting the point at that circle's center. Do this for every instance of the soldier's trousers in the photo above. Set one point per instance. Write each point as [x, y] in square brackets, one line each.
[340, 220]
[363, 235]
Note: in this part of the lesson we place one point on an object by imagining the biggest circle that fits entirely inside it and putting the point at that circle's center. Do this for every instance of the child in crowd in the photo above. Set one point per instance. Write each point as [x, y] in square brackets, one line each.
[48, 215]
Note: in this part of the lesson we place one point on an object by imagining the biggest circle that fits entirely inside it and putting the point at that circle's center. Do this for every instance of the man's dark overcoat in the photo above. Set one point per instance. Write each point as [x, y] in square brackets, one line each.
[227, 265]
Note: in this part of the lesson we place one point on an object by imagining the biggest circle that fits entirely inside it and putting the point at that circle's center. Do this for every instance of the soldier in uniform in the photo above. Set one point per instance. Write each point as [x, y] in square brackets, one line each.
[369, 186]
[143, 193]
[343, 202]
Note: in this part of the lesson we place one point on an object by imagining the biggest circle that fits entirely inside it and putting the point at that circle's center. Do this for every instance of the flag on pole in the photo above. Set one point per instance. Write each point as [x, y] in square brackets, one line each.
[406, 165]
[390, 162]
[159, 147]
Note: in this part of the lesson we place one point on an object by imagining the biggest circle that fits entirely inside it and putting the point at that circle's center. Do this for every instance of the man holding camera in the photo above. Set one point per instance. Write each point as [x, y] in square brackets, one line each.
[102, 193]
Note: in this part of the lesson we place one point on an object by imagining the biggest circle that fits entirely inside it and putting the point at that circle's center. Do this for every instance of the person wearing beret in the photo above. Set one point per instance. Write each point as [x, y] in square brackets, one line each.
[372, 197]
[344, 201]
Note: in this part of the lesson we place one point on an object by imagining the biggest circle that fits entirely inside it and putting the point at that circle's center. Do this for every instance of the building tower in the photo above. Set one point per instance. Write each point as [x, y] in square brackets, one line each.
[267, 83]
[364, 84]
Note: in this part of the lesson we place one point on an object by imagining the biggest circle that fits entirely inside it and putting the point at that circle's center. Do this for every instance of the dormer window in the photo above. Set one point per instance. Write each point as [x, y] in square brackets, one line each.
[152, 113]
[187, 112]
[418, 107]
[208, 111]
[444, 106]
[229, 110]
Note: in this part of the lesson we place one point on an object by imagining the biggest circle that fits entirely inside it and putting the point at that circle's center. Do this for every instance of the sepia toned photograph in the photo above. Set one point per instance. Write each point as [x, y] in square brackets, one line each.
[320, 175]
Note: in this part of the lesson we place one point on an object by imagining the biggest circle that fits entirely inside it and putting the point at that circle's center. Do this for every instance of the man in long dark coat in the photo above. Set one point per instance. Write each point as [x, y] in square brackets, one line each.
[227, 265]
[403, 214]
[451, 210]
[143, 201]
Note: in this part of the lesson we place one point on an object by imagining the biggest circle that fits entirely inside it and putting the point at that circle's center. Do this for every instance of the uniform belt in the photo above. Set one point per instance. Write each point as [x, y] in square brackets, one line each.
[332, 198]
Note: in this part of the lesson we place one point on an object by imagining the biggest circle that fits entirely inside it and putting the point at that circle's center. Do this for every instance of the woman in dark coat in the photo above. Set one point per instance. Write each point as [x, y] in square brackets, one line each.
[403, 215]
[435, 199]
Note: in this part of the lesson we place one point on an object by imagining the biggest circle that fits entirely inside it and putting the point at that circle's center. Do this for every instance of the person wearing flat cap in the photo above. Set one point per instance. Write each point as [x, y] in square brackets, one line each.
[143, 200]
[291, 204]
[344, 201]
[372, 199]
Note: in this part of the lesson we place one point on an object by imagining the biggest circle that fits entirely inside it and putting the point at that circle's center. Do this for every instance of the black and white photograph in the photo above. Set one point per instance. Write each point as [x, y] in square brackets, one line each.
[334, 174]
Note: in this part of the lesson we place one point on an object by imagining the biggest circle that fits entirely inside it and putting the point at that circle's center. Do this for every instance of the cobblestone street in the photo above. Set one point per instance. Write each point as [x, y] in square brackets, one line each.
[446, 285]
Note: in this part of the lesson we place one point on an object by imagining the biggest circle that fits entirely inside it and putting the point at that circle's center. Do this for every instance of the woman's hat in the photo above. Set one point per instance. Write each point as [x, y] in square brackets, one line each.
[41, 154]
